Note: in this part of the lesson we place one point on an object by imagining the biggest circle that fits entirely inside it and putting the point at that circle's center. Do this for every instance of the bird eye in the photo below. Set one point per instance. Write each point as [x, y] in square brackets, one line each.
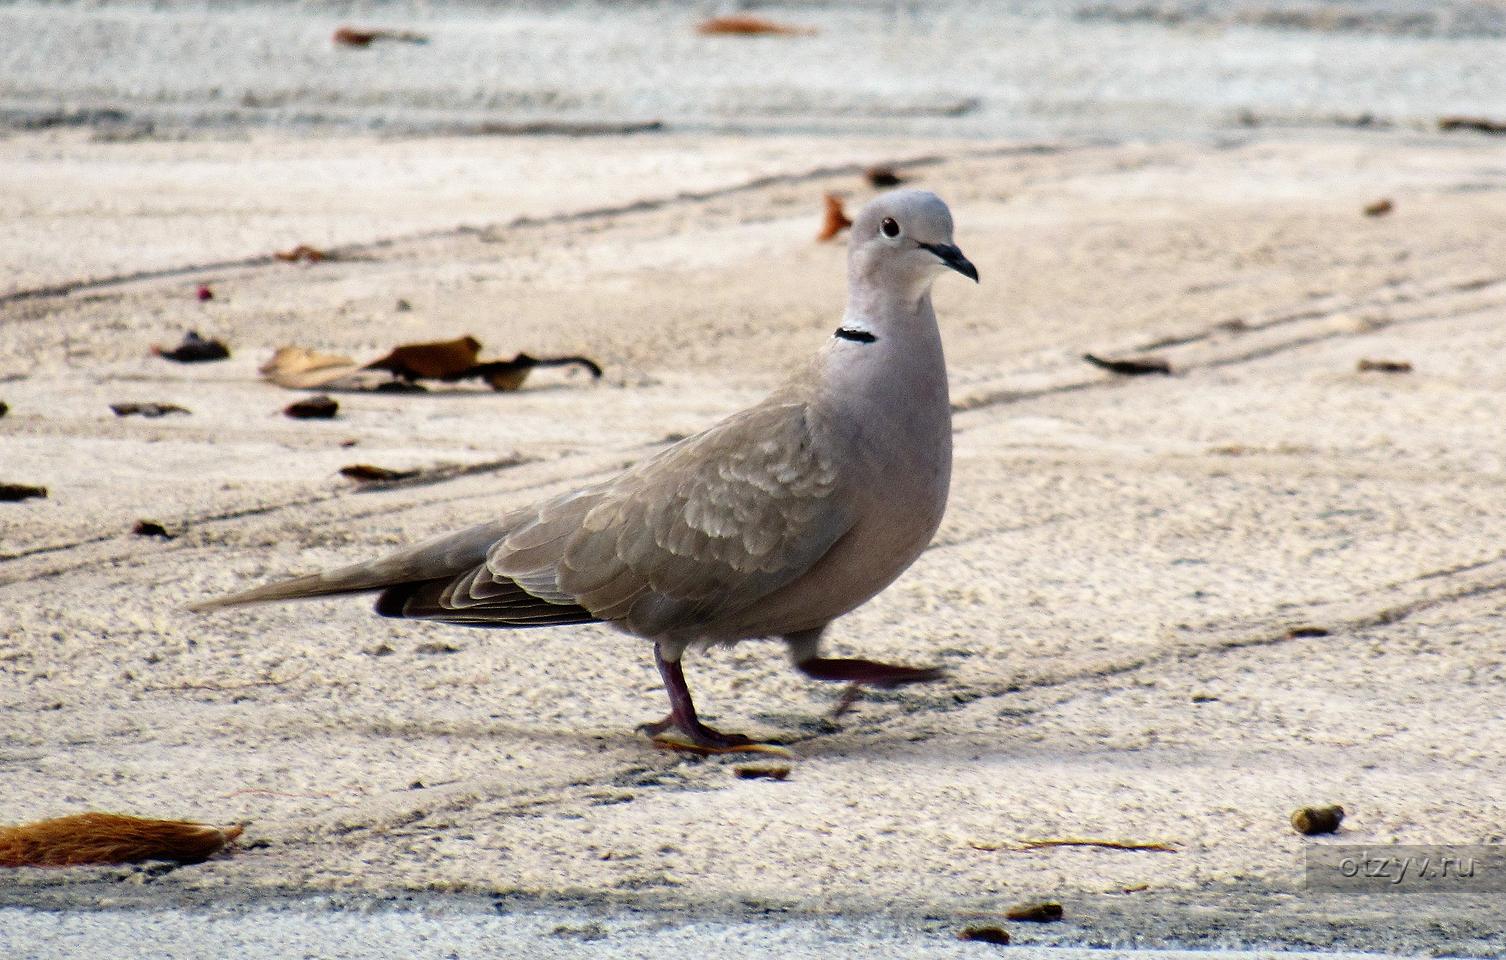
[889, 228]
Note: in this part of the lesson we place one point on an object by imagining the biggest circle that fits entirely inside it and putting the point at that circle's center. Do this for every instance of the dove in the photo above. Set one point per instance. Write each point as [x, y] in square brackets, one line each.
[770, 524]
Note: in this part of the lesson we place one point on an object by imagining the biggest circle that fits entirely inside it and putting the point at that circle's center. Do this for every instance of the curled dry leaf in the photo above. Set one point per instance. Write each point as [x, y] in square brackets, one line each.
[4, 408]
[303, 253]
[320, 407]
[1305, 631]
[1379, 208]
[110, 838]
[762, 772]
[995, 935]
[1311, 821]
[194, 349]
[1383, 366]
[16, 492]
[148, 410]
[882, 177]
[438, 360]
[746, 26]
[834, 220]
[1046, 911]
[1131, 368]
[151, 528]
[367, 473]
[359, 38]
[510, 374]
[1476, 124]
[299, 368]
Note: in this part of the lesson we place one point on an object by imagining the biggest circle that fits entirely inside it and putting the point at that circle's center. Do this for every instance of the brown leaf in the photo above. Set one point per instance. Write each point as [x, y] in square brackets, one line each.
[148, 410]
[1131, 368]
[995, 935]
[882, 177]
[151, 528]
[1047, 911]
[437, 360]
[746, 26]
[318, 407]
[356, 37]
[762, 772]
[109, 838]
[1379, 208]
[1477, 124]
[834, 220]
[1315, 820]
[1383, 366]
[299, 368]
[15, 492]
[367, 473]
[194, 349]
[303, 253]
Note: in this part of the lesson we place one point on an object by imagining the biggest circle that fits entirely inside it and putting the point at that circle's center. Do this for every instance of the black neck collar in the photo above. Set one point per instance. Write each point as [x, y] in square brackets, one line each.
[856, 336]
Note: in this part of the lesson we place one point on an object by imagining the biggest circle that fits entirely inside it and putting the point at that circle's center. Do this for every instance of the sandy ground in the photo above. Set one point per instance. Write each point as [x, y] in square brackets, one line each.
[1114, 590]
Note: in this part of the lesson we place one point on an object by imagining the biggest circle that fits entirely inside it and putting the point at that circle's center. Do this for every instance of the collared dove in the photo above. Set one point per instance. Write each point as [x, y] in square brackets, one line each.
[772, 523]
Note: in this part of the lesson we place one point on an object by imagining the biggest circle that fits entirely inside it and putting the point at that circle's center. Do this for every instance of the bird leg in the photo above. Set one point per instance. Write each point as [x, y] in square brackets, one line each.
[682, 715]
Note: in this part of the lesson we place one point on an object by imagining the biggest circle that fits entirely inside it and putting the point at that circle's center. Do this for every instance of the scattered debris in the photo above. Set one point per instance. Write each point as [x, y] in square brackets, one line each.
[994, 935]
[1135, 888]
[1047, 911]
[360, 39]
[303, 253]
[435, 648]
[1204, 698]
[745, 26]
[366, 473]
[402, 306]
[436, 360]
[4, 408]
[1298, 633]
[380, 650]
[318, 407]
[148, 410]
[1379, 208]
[299, 368]
[835, 220]
[1383, 366]
[882, 177]
[1046, 843]
[449, 361]
[204, 293]
[110, 838]
[1311, 821]
[762, 772]
[194, 349]
[1476, 124]
[151, 528]
[1131, 368]
[16, 492]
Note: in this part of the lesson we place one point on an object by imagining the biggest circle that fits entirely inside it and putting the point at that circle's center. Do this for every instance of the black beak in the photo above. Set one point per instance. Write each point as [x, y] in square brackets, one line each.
[953, 258]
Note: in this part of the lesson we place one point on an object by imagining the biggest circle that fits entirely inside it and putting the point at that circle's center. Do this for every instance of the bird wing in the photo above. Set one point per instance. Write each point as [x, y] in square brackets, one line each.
[702, 530]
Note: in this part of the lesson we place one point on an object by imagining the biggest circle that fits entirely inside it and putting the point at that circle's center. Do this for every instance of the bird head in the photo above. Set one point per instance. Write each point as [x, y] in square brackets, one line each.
[903, 239]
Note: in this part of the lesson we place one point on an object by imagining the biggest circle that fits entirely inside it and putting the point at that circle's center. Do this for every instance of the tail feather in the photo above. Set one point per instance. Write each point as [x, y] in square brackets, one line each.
[445, 556]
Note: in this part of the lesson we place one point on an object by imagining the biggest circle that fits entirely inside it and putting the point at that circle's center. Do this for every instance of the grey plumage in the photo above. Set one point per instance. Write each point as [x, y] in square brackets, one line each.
[770, 523]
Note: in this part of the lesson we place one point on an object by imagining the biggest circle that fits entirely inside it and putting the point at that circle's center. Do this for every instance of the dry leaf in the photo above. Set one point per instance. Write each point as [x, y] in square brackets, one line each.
[1131, 368]
[318, 407]
[834, 220]
[1379, 208]
[745, 26]
[15, 492]
[303, 253]
[1047, 911]
[882, 177]
[762, 772]
[994, 935]
[1477, 124]
[367, 473]
[438, 360]
[510, 374]
[109, 838]
[356, 37]
[1046, 843]
[194, 349]
[204, 293]
[148, 410]
[1383, 366]
[151, 528]
[299, 368]
[1315, 820]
